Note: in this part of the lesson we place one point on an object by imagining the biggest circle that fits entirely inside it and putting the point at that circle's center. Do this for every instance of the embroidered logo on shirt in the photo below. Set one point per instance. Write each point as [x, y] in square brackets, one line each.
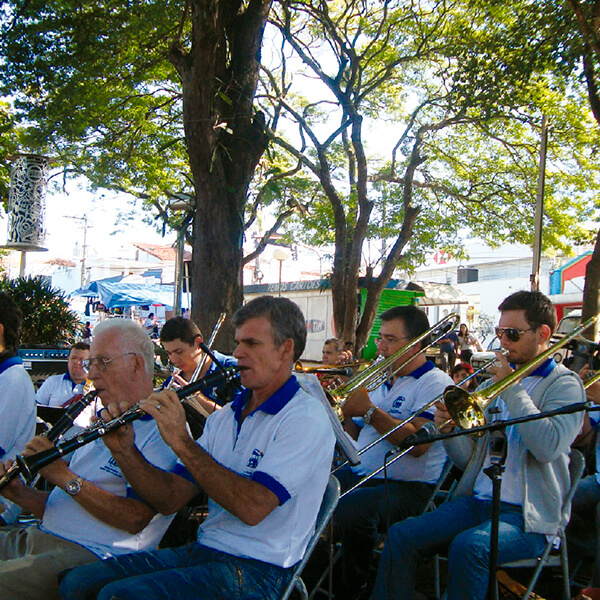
[112, 467]
[254, 458]
[397, 404]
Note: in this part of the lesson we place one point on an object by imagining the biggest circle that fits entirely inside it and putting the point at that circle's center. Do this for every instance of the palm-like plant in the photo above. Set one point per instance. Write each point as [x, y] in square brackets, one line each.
[47, 318]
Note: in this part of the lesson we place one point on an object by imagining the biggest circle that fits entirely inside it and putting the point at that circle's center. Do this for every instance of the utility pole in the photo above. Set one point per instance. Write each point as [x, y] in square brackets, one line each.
[539, 209]
[84, 248]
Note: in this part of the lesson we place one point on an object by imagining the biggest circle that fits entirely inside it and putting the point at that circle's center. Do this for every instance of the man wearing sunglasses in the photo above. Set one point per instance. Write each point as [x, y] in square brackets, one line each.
[92, 512]
[536, 476]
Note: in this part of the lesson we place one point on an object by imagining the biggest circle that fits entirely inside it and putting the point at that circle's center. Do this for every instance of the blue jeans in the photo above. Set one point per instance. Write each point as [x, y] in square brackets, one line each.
[367, 512]
[463, 525]
[583, 533]
[192, 572]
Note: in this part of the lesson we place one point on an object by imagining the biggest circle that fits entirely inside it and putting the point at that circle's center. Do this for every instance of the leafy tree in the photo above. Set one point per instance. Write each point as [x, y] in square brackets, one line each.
[47, 318]
[461, 109]
[8, 147]
[152, 98]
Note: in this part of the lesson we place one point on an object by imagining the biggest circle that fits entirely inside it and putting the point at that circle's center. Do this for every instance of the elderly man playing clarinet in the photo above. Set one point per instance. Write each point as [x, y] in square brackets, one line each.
[263, 460]
[91, 513]
[536, 477]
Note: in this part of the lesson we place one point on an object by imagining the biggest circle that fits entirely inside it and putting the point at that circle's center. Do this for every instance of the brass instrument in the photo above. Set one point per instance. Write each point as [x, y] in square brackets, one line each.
[382, 369]
[357, 364]
[413, 416]
[467, 409]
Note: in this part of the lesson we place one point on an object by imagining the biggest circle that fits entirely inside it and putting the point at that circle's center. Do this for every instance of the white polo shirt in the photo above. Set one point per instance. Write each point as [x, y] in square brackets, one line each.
[286, 445]
[58, 389]
[66, 518]
[406, 396]
[17, 408]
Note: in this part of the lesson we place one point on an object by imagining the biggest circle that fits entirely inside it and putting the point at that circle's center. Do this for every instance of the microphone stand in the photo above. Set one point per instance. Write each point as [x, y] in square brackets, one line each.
[497, 451]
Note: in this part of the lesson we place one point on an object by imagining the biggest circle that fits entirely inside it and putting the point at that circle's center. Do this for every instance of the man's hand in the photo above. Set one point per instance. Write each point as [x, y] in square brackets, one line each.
[123, 438]
[167, 410]
[441, 416]
[56, 472]
[501, 367]
[11, 490]
[357, 404]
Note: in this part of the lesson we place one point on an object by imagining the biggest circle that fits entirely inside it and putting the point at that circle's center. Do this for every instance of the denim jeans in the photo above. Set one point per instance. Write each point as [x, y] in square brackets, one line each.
[192, 572]
[463, 525]
[583, 533]
[363, 515]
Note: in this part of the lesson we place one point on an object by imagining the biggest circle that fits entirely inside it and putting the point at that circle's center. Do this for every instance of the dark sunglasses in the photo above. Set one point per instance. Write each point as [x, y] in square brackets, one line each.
[514, 335]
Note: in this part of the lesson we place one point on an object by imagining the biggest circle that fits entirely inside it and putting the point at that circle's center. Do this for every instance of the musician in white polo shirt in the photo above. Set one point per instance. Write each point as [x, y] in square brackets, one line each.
[263, 460]
[91, 513]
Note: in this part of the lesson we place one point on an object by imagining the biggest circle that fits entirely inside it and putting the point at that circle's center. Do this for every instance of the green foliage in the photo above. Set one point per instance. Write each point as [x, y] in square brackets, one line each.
[8, 146]
[47, 318]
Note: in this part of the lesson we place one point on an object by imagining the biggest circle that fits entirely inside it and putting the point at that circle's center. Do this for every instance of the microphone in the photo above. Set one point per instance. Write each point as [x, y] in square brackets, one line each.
[428, 430]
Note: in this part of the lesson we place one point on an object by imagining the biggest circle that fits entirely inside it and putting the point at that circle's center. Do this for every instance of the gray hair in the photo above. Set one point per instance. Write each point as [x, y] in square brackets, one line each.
[285, 316]
[133, 339]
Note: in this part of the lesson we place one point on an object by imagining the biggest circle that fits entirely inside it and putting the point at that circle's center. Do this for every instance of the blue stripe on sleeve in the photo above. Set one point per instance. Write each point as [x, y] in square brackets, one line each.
[183, 472]
[273, 485]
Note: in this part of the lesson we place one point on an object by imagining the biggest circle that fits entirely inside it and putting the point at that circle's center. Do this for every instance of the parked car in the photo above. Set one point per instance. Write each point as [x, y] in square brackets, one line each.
[481, 358]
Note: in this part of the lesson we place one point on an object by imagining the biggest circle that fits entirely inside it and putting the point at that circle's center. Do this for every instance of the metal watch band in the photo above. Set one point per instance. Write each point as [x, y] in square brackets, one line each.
[369, 414]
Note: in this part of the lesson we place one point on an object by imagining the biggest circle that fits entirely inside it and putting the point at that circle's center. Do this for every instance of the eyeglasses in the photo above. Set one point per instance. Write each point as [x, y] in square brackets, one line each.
[100, 362]
[514, 335]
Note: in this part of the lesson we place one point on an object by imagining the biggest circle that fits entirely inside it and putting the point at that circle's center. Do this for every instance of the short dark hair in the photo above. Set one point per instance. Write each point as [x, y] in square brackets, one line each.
[285, 316]
[414, 319]
[79, 346]
[11, 318]
[180, 328]
[538, 308]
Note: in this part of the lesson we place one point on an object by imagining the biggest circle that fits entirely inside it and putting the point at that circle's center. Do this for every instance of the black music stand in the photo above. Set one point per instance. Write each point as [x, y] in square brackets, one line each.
[497, 451]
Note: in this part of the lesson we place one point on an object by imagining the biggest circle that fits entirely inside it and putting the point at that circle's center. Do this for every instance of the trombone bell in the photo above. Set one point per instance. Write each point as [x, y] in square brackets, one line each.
[466, 409]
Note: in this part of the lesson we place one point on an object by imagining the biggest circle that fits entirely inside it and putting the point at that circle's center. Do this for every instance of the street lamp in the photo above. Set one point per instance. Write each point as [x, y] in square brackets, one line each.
[180, 202]
[281, 254]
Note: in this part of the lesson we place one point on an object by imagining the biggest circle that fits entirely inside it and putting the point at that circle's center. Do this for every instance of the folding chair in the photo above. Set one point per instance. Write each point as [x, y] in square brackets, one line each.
[576, 466]
[328, 504]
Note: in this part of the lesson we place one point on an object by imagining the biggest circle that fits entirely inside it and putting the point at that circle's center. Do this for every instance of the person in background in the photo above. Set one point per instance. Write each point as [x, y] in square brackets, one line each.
[92, 512]
[536, 477]
[86, 335]
[467, 343]
[448, 345]
[459, 373]
[181, 338]
[406, 486]
[17, 395]
[59, 391]
[150, 324]
[265, 477]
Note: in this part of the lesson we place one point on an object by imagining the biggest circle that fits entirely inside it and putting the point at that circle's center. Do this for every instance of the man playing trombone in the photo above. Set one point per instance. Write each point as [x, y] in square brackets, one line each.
[366, 512]
[536, 477]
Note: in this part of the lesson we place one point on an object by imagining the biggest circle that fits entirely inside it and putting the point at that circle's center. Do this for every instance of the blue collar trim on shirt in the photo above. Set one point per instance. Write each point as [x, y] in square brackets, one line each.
[428, 366]
[544, 369]
[271, 405]
[67, 377]
[9, 362]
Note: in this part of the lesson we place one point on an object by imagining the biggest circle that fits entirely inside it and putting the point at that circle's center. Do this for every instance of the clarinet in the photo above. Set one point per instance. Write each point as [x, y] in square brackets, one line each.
[28, 466]
[66, 420]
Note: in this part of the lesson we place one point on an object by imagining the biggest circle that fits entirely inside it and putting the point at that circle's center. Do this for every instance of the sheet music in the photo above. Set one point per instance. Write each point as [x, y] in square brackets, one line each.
[309, 382]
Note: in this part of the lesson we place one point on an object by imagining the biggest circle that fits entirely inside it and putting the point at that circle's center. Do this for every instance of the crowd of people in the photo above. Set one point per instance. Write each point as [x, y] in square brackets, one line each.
[263, 455]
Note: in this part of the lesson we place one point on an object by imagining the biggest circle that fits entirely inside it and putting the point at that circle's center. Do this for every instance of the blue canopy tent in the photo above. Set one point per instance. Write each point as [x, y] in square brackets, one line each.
[116, 294]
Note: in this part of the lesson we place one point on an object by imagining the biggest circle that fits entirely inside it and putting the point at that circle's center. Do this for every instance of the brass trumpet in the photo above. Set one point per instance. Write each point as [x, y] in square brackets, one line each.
[382, 369]
[467, 410]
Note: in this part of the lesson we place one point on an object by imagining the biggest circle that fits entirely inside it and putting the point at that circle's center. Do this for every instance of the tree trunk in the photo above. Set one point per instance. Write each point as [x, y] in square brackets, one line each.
[591, 292]
[225, 141]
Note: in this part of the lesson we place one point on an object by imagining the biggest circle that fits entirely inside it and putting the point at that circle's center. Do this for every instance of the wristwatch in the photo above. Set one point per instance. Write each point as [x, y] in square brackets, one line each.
[368, 415]
[73, 487]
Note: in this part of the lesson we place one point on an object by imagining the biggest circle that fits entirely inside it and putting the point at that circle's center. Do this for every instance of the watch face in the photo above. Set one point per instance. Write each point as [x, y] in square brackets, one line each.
[73, 487]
